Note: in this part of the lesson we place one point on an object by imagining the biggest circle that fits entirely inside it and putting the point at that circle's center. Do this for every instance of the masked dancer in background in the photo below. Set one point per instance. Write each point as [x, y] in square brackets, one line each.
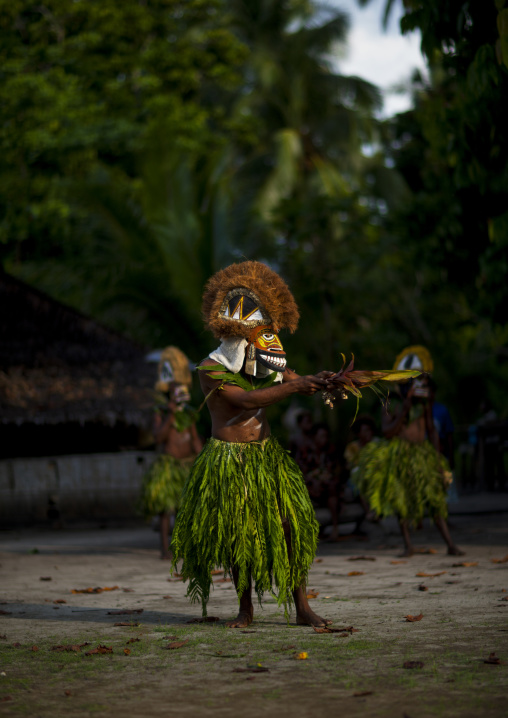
[245, 506]
[404, 474]
[176, 436]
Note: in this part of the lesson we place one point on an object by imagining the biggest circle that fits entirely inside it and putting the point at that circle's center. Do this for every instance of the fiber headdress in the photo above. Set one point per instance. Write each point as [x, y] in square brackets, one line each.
[173, 367]
[247, 295]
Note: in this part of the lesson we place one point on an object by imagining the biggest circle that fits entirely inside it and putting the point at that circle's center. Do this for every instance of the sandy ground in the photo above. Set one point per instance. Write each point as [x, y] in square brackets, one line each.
[465, 619]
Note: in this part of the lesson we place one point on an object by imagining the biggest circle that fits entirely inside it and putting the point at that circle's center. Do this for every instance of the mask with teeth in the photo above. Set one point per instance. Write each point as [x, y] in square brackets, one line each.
[264, 348]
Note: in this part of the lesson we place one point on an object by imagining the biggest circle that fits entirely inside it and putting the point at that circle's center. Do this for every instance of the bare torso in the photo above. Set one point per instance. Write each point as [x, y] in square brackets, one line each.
[179, 444]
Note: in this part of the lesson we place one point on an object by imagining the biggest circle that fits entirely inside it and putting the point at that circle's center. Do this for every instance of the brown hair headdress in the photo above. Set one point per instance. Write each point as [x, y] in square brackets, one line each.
[178, 370]
[246, 295]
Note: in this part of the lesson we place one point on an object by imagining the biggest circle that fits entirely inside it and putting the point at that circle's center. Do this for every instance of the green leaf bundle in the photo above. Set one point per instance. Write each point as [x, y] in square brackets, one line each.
[400, 478]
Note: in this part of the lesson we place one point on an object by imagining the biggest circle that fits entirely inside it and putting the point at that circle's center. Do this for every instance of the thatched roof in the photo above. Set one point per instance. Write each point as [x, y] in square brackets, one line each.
[57, 365]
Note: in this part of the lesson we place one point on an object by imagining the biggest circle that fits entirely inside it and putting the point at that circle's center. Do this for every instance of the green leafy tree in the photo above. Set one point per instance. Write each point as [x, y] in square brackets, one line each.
[85, 85]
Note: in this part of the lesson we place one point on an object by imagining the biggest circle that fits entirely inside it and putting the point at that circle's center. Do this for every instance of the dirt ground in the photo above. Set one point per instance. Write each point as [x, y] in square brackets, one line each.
[357, 673]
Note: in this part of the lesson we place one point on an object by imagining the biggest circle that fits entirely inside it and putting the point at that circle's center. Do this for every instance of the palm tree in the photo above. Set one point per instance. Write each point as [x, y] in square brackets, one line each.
[313, 121]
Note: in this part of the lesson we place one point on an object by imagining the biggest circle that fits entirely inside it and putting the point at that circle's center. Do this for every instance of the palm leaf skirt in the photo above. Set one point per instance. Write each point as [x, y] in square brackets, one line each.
[163, 484]
[231, 515]
[403, 479]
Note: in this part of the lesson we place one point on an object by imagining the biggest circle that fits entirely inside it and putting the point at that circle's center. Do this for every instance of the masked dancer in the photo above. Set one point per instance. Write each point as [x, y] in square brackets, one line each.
[245, 506]
[177, 439]
[404, 474]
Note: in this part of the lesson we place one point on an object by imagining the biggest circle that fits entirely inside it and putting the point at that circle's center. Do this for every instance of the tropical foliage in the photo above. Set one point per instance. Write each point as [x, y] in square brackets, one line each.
[146, 144]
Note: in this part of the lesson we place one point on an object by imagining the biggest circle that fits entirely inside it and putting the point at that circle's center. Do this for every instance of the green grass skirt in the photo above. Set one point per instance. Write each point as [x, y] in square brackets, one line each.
[403, 479]
[231, 514]
[163, 484]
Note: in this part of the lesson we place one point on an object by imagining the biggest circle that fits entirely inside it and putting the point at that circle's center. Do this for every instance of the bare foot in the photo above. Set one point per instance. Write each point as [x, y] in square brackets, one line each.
[407, 553]
[309, 618]
[455, 551]
[243, 620]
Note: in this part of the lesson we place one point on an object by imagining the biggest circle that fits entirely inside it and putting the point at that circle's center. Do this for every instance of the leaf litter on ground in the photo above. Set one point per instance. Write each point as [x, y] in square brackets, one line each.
[356, 573]
[422, 574]
[175, 644]
[465, 564]
[413, 619]
[125, 612]
[204, 619]
[361, 558]
[413, 664]
[98, 589]
[500, 560]
[494, 660]
[100, 650]
[126, 624]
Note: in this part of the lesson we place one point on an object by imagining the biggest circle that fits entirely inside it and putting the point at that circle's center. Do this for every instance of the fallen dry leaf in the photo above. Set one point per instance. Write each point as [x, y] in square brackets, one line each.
[5, 613]
[247, 631]
[329, 629]
[361, 558]
[422, 574]
[67, 693]
[222, 580]
[167, 597]
[3, 637]
[465, 564]
[362, 693]
[16, 645]
[98, 589]
[356, 573]
[35, 648]
[312, 594]
[421, 587]
[425, 550]
[301, 656]
[99, 650]
[204, 619]
[125, 612]
[251, 669]
[169, 638]
[129, 624]
[45, 578]
[394, 563]
[59, 600]
[412, 619]
[70, 647]
[176, 644]
[133, 640]
[179, 575]
[215, 572]
[176, 578]
[413, 664]
[493, 660]
[504, 598]
[4, 699]
[500, 560]
[128, 590]
[127, 651]
[284, 648]
[318, 560]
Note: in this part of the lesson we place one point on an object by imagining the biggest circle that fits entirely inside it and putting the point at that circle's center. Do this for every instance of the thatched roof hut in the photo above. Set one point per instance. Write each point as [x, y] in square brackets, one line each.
[58, 366]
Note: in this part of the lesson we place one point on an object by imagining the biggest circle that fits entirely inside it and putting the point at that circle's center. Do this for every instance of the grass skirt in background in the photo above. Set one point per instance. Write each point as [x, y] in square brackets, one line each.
[163, 484]
[231, 515]
[400, 478]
